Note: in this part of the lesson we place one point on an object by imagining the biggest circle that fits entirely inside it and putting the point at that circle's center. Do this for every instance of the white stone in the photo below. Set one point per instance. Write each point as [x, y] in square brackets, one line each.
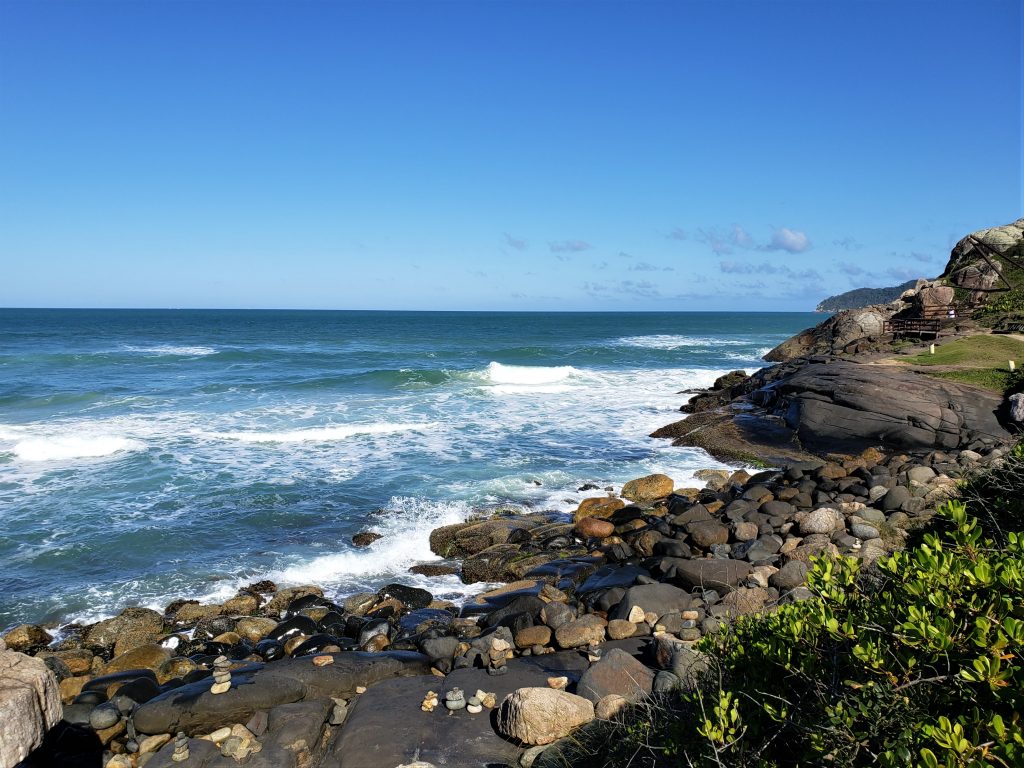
[636, 614]
[1017, 407]
[542, 715]
[824, 521]
[29, 705]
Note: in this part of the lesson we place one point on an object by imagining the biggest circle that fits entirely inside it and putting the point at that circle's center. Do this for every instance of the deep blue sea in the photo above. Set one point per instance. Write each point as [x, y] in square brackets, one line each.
[148, 455]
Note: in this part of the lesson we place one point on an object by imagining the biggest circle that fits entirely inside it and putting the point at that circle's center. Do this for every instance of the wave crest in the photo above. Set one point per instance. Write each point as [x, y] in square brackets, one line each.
[322, 434]
[64, 448]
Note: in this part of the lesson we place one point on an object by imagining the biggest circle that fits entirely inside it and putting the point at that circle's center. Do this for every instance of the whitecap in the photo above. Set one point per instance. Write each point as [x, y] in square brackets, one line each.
[670, 341]
[174, 350]
[404, 526]
[321, 434]
[73, 447]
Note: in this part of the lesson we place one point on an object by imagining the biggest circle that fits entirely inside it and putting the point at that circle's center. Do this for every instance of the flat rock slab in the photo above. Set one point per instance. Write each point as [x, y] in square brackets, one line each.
[193, 709]
[386, 727]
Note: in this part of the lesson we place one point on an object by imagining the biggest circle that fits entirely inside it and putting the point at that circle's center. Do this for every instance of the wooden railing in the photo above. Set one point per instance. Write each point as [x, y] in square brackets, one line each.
[912, 326]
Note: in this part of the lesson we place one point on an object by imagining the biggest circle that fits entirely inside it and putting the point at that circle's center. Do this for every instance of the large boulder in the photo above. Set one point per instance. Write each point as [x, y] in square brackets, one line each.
[29, 705]
[978, 261]
[542, 715]
[836, 333]
[846, 405]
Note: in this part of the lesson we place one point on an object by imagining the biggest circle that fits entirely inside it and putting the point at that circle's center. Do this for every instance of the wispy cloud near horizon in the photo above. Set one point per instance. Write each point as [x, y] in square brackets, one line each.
[569, 246]
[515, 242]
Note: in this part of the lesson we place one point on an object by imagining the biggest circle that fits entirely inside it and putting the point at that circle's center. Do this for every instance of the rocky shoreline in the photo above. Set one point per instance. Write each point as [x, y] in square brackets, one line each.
[596, 612]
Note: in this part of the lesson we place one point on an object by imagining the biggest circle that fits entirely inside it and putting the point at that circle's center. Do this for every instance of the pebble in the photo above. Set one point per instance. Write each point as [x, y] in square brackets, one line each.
[323, 661]
[103, 717]
[218, 688]
[430, 702]
[455, 699]
[219, 735]
[558, 683]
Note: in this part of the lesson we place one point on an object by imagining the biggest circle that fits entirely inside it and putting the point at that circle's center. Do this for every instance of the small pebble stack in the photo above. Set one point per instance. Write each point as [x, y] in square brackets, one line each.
[455, 699]
[221, 675]
[497, 657]
[180, 748]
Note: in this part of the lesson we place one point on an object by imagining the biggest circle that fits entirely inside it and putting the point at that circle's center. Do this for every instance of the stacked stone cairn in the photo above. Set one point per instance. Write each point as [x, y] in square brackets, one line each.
[221, 675]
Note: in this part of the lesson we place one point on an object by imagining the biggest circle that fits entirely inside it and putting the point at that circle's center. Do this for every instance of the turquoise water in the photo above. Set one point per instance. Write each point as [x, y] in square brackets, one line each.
[149, 455]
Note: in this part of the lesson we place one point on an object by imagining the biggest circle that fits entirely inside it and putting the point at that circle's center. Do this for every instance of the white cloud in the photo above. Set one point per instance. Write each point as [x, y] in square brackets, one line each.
[790, 240]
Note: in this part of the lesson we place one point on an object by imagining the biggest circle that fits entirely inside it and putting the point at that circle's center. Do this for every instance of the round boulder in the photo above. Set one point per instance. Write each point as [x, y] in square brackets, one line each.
[649, 488]
[542, 715]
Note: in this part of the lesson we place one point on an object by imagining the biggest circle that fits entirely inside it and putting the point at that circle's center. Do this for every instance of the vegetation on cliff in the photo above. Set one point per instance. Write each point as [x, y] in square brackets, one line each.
[915, 661]
[863, 297]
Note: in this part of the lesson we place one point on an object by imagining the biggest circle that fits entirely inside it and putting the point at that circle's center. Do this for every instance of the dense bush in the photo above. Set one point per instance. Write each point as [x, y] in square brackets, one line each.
[915, 661]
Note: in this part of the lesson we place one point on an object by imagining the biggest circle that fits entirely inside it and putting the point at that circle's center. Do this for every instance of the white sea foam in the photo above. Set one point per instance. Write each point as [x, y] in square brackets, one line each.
[174, 350]
[528, 375]
[405, 527]
[670, 341]
[322, 434]
[73, 447]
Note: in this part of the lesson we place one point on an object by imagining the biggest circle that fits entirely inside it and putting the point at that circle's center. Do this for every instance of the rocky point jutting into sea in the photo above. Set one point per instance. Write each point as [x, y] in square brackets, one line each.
[597, 609]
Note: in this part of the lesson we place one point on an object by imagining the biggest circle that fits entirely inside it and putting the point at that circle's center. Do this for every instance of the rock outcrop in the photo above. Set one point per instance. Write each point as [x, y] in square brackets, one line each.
[29, 705]
[840, 404]
[980, 261]
[837, 333]
[816, 406]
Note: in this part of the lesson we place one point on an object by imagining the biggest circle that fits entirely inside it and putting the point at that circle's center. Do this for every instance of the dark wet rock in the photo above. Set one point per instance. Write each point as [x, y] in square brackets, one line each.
[279, 603]
[720, 575]
[434, 569]
[652, 598]
[444, 647]
[612, 576]
[411, 597]
[527, 604]
[293, 627]
[365, 538]
[270, 650]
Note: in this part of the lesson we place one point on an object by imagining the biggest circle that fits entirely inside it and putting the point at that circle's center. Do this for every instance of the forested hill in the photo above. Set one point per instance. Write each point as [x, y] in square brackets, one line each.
[863, 297]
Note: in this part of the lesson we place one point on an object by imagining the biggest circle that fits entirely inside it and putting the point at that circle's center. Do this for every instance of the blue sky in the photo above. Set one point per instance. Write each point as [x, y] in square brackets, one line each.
[498, 155]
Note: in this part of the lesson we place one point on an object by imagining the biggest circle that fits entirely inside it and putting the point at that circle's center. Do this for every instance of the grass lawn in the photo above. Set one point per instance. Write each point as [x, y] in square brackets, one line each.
[981, 361]
[979, 352]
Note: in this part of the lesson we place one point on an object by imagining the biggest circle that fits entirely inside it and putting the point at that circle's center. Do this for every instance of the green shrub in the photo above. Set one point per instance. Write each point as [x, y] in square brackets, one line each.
[915, 661]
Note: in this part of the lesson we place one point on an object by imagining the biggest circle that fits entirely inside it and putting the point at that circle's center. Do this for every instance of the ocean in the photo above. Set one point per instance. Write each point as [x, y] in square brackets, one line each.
[148, 455]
